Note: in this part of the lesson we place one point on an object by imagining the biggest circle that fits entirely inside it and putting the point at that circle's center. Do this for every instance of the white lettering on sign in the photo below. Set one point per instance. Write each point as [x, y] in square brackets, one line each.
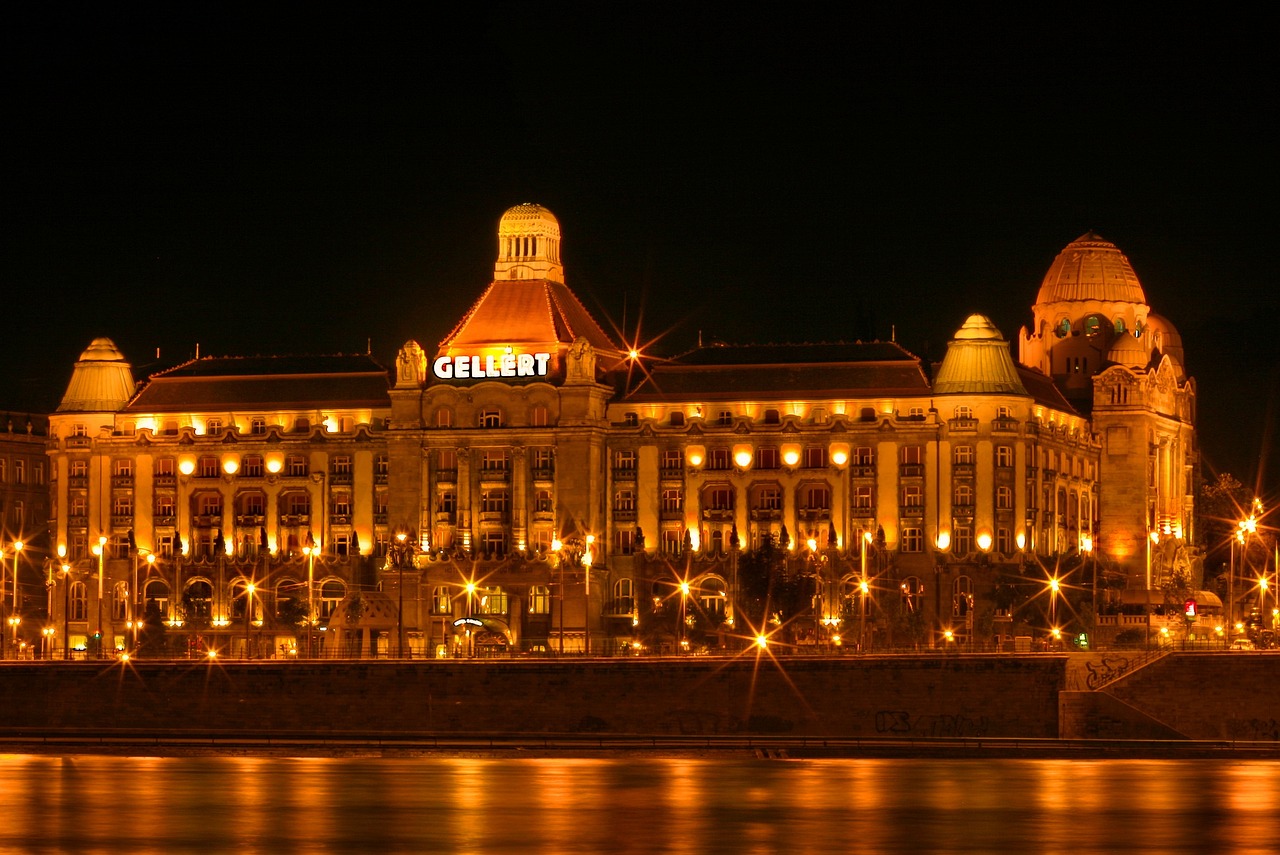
[508, 364]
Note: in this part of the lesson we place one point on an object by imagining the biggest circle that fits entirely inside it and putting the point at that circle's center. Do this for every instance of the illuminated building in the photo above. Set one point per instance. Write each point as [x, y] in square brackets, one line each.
[24, 510]
[533, 485]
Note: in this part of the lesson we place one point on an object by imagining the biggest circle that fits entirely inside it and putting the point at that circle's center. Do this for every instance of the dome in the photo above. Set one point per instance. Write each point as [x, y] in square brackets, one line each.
[1129, 352]
[1091, 268]
[102, 381]
[978, 361]
[528, 244]
[1163, 336]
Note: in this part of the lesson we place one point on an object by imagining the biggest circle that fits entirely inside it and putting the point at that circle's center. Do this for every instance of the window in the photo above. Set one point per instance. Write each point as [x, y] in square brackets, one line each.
[1063, 329]
[672, 541]
[78, 506]
[298, 504]
[862, 498]
[539, 415]
[207, 467]
[491, 601]
[209, 504]
[251, 466]
[448, 502]
[342, 465]
[623, 597]
[962, 540]
[539, 600]
[815, 457]
[631, 419]
[767, 457]
[1004, 542]
[494, 460]
[863, 456]
[444, 418]
[253, 504]
[962, 597]
[121, 468]
[771, 417]
[719, 498]
[769, 498]
[912, 497]
[964, 454]
[964, 496]
[912, 540]
[964, 412]
[37, 473]
[1004, 413]
[166, 467]
[672, 500]
[165, 507]
[1004, 456]
[257, 426]
[80, 469]
[624, 460]
[718, 458]
[79, 430]
[302, 424]
[817, 497]
[672, 460]
[494, 501]
[441, 600]
[915, 413]
[213, 427]
[296, 465]
[79, 595]
[341, 504]
[624, 500]
[331, 593]
[1004, 498]
[819, 415]
[625, 541]
[122, 506]
[677, 419]
[491, 418]
[912, 455]
[724, 418]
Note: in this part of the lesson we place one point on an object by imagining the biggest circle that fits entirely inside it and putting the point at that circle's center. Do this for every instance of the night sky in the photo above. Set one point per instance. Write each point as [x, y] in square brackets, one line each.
[307, 184]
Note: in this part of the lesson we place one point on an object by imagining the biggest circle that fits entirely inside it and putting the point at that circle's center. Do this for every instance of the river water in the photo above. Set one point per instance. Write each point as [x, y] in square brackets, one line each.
[633, 803]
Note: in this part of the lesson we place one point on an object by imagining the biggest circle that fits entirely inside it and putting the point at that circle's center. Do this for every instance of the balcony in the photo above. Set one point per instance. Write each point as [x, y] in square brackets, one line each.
[672, 473]
[717, 514]
[295, 519]
[493, 517]
[963, 424]
[380, 519]
[78, 442]
[544, 473]
[813, 513]
[208, 520]
[339, 519]
[495, 476]
[445, 476]
[962, 470]
[380, 478]
[671, 514]
[624, 514]
[122, 481]
[339, 477]
[164, 520]
[121, 520]
[766, 514]
[250, 519]
[964, 511]
[1004, 424]
[445, 517]
[544, 516]
[624, 473]
[863, 471]
[911, 470]
[165, 481]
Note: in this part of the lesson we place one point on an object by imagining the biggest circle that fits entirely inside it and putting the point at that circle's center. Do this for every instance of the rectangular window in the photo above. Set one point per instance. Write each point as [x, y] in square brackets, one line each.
[863, 456]
[912, 540]
[491, 418]
[494, 461]
[624, 460]
[624, 500]
[718, 459]
[817, 497]
[672, 460]
[208, 467]
[542, 461]
[862, 498]
[625, 541]
[166, 466]
[724, 418]
[494, 501]
[342, 465]
[815, 457]
[912, 496]
[1004, 541]
[251, 467]
[964, 454]
[213, 427]
[912, 454]
[19, 471]
[122, 506]
[296, 465]
[962, 540]
[672, 541]
[341, 505]
[767, 457]
[769, 499]
[1004, 499]
[719, 498]
[672, 500]
[37, 472]
[257, 426]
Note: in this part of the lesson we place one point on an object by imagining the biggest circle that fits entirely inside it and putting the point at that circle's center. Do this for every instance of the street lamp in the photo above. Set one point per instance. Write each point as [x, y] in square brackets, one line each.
[471, 589]
[248, 616]
[399, 552]
[310, 551]
[1054, 587]
[48, 633]
[684, 595]
[101, 552]
[863, 589]
[66, 602]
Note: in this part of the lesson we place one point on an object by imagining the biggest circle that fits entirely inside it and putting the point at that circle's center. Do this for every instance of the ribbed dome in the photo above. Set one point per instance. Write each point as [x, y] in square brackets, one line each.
[1129, 352]
[519, 217]
[1091, 268]
[528, 244]
[102, 380]
[978, 361]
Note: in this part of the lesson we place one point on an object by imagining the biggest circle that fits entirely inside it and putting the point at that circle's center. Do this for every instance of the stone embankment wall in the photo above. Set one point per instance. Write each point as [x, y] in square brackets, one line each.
[900, 696]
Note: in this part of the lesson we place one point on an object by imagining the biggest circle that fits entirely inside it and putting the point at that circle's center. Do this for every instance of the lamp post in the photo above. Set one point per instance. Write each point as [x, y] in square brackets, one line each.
[66, 604]
[684, 596]
[102, 578]
[248, 617]
[401, 545]
[471, 589]
[586, 595]
[1054, 587]
[310, 551]
[556, 547]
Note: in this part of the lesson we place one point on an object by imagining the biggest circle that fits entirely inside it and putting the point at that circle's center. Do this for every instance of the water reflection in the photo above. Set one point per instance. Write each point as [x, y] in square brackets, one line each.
[634, 804]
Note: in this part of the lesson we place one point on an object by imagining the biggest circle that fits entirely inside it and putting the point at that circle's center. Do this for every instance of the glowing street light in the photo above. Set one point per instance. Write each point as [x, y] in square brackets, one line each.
[684, 595]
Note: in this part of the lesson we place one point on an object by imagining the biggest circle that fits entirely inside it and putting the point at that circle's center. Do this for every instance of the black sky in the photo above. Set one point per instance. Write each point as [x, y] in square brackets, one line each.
[316, 183]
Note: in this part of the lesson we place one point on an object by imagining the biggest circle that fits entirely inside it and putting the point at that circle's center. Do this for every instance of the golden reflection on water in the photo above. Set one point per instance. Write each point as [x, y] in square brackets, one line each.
[634, 804]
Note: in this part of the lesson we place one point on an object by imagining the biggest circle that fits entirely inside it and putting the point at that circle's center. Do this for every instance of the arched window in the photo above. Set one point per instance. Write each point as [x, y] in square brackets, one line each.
[623, 597]
[79, 597]
[120, 602]
[198, 600]
[912, 590]
[962, 597]
[711, 597]
[540, 600]
[331, 593]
